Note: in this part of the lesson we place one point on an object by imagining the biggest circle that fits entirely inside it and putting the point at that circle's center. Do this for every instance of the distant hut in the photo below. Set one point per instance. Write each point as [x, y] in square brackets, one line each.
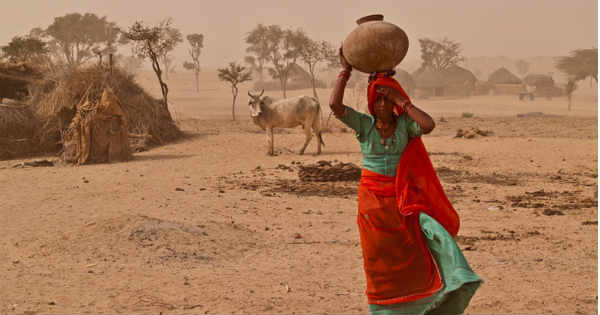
[540, 80]
[503, 76]
[544, 85]
[406, 81]
[458, 81]
[298, 79]
[429, 83]
[504, 82]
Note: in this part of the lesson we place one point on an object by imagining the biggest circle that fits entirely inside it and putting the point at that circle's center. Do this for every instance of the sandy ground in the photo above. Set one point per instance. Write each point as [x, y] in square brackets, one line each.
[211, 224]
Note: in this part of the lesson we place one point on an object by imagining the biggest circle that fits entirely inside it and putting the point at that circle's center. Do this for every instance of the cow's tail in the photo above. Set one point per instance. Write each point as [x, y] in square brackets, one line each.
[320, 124]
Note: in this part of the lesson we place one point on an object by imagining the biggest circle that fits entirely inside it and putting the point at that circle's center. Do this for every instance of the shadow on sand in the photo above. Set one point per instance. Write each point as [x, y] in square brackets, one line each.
[157, 157]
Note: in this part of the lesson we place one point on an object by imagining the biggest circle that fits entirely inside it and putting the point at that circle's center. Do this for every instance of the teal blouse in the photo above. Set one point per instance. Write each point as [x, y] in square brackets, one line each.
[378, 157]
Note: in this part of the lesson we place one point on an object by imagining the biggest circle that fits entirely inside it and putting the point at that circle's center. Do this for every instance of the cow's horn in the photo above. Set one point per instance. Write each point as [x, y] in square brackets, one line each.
[261, 92]
[250, 94]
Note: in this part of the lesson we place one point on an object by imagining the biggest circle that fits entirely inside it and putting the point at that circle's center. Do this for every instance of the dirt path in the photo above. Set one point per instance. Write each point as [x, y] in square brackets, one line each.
[212, 225]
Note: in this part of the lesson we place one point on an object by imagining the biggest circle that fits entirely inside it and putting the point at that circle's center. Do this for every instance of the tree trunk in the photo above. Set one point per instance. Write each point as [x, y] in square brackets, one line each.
[197, 83]
[163, 86]
[282, 82]
[234, 91]
[569, 97]
[313, 80]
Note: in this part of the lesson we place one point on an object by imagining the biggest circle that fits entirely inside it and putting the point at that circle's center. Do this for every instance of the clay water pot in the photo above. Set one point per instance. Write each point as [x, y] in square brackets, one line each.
[375, 45]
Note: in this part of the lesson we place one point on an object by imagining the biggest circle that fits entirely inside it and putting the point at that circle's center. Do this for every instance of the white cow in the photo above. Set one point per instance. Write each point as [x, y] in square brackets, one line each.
[287, 113]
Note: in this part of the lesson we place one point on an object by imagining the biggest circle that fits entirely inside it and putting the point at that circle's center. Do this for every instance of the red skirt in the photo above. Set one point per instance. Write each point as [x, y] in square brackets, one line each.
[398, 265]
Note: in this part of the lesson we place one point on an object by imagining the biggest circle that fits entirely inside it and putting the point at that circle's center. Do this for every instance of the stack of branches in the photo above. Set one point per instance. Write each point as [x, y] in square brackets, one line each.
[147, 118]
[17, 126]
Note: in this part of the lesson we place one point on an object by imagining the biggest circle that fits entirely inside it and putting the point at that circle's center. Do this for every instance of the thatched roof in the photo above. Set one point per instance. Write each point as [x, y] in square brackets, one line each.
[539, 80]
[145, 115]
[298, 73]
[429, 78]
[455, 75]
[405, 79]
[503, 76]
[15, 79]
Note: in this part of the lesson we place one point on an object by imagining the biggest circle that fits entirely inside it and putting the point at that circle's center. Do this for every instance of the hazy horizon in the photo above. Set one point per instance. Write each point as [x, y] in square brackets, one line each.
[484, 28]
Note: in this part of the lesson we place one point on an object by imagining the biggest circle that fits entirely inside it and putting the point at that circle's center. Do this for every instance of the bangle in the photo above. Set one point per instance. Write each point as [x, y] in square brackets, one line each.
[407, 105]
[345, 74]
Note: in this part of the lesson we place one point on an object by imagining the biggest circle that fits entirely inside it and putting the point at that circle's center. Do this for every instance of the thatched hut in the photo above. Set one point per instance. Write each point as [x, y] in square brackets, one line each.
[16, 78]
[145, 115]
[298, 79]
[504, 82]
[538, 80]
[428, 83]
[52, 103]
[544, 85]
[406, 81]
[503, 76]
[458, 81]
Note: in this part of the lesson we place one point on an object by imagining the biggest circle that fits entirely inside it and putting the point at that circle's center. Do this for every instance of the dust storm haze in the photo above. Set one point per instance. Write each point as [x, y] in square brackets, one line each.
[516, 29]
[203, 219]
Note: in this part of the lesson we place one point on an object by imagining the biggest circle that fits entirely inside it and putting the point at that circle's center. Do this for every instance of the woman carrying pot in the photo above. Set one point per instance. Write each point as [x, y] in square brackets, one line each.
[406, 223]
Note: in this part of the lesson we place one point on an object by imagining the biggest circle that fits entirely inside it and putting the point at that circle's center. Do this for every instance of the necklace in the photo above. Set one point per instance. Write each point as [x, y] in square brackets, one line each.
[384, 135]
[388, 144]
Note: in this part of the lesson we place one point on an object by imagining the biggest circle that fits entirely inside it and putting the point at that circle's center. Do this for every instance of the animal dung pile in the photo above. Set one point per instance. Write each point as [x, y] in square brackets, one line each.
[325, 171]
[472, 133]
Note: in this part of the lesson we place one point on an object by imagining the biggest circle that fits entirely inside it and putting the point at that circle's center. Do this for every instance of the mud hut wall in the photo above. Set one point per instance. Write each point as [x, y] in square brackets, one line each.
[509, 89]
[425, 92]
[458, 90]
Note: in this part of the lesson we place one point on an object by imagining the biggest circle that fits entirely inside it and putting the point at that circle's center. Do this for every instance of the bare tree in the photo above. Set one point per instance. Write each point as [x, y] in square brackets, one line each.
[260, 46]
[150, 43]
[312, 53]
[234, 75]
[76, 36]
[439, 55]
[286, 50]
[253, 64]
[25, 49]
[582, 63]
[196, 42]
[168, 65]
[569, 89]
[172, 37]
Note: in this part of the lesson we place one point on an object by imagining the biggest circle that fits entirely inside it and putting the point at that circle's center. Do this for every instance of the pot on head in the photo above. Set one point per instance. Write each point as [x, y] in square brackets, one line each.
[375, 45]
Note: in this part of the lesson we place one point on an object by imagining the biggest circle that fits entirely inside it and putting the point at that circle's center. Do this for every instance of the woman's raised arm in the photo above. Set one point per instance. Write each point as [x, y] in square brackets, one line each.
[337, 95]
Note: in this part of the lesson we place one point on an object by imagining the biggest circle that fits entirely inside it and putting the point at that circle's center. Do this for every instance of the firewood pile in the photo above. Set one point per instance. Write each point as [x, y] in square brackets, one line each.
[325, 171]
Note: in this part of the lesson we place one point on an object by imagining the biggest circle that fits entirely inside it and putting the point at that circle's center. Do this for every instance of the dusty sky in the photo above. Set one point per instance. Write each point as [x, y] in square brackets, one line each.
[511, 28]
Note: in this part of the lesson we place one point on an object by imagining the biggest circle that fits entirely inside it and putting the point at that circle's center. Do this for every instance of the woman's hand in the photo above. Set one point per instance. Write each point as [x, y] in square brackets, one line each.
[337, 95]
[422, 118]
[343, 61]
[392, 95]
